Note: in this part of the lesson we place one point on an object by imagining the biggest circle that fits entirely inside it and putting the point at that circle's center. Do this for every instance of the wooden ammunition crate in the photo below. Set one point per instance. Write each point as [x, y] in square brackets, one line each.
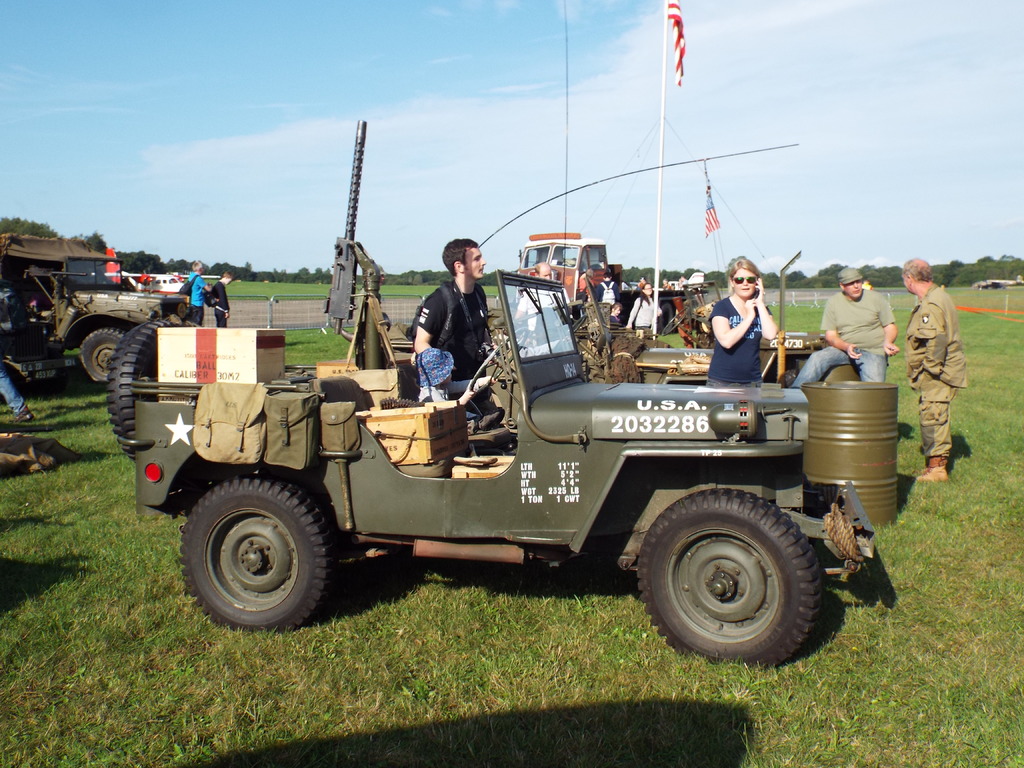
[206, 355]
[422, 435]
[492, 470]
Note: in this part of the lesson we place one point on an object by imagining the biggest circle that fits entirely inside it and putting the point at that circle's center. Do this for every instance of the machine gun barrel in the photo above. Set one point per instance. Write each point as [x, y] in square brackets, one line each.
[357, 177]
[340, 300]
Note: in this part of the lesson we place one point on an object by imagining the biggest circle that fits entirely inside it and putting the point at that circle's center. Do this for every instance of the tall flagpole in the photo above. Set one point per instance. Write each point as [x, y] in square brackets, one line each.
[661, 169]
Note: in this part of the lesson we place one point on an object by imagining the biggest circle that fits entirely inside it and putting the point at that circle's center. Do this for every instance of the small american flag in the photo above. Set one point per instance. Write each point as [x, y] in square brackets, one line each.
[676, 17]
[710, 217]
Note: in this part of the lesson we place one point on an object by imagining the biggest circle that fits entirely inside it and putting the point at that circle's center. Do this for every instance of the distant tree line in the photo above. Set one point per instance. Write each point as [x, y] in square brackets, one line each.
[956, 273]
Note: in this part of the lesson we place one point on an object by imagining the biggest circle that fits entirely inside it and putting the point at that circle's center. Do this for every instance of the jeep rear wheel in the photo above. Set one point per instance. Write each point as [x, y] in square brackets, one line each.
[728, 575]
[258, 554]
[97, 350]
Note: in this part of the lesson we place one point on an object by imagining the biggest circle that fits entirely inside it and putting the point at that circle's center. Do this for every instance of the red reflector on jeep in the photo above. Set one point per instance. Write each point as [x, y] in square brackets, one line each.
[153, 473]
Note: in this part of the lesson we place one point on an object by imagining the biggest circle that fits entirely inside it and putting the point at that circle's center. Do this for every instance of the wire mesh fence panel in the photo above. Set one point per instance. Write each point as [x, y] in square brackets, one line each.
[301, 312]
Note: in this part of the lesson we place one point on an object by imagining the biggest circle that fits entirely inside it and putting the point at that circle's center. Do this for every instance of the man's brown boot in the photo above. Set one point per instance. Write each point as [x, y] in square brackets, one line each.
[935, 470]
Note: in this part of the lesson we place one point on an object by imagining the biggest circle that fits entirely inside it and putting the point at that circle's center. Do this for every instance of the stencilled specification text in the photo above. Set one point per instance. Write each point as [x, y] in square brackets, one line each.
[567, 491]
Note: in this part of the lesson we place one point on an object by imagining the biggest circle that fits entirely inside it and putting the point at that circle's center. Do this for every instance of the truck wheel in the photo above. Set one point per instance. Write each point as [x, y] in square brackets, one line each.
[96, 351]
[258, 554]
[133, 358]
[728, 575]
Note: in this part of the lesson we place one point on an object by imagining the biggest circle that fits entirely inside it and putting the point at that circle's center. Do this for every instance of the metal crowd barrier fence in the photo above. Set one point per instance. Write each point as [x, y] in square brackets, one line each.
[306, 311]
[303, 311]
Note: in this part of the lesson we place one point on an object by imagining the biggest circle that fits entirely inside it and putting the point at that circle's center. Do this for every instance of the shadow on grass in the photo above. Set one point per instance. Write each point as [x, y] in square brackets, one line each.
[650, 733]
[905, 483]
[364, 584]
[869, 587]
[24, 581]
[961, 450]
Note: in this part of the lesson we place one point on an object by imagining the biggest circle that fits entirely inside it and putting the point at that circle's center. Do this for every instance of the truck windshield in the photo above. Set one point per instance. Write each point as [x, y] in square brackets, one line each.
[93, 273]
[595, 257]
[540, 319]
[556, 255]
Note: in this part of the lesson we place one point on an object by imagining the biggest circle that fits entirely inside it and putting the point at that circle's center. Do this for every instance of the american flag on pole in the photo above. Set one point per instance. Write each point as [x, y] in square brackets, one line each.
[710, 217]
[676, 17]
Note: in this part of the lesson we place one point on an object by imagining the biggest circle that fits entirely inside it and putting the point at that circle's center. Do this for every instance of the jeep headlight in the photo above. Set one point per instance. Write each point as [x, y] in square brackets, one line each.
[182, 310]
[738, 418]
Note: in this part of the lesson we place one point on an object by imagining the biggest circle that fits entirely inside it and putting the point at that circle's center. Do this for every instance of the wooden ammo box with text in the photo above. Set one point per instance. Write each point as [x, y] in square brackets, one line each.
[422, 435]
[206, 355]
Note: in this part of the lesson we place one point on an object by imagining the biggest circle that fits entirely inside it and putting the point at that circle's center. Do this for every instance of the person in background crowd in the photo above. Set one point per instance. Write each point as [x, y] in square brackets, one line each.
[15, 321]
[607, 290]
[739, 321]
[221, 307]
[641, 316]
[936, 365]
[615, 315]
[8, 391]
[197, 294]
[860, 329]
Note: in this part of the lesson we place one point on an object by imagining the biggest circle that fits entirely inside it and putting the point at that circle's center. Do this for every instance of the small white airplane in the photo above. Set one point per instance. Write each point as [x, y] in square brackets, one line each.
[155, 283]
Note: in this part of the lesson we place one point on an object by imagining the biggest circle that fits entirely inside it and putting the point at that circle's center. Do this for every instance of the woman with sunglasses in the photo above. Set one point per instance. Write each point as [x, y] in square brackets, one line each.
[739, 321]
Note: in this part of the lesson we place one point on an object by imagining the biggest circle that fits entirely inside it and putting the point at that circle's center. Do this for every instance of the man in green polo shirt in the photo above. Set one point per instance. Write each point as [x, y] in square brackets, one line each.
[860, 330]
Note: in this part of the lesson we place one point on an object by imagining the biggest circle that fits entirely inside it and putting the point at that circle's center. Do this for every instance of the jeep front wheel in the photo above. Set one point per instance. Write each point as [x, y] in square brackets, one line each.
[728, 575]
[96, 351]
[258, 554]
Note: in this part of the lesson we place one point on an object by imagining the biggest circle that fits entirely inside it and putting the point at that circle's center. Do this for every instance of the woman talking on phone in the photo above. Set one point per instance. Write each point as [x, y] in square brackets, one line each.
[739, 321]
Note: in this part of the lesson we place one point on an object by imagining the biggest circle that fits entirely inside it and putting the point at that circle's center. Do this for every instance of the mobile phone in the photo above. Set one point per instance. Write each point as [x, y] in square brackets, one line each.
[757, 292]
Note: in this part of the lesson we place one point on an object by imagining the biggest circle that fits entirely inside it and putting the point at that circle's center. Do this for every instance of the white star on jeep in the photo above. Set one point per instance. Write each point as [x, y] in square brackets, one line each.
[179, 431]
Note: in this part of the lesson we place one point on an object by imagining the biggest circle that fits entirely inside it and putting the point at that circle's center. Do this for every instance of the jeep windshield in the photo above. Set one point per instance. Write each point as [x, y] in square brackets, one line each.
[539, 331]
[540, 318]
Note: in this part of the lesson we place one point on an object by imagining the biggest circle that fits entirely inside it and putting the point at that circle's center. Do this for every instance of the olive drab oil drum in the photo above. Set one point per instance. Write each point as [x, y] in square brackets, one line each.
[852, 435]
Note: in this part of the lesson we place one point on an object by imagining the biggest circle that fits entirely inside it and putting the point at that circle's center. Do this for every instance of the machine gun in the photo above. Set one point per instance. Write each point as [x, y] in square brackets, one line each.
[345, 306]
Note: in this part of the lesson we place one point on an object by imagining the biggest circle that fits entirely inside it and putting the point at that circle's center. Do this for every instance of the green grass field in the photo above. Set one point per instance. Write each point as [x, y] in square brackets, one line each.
[919, 661]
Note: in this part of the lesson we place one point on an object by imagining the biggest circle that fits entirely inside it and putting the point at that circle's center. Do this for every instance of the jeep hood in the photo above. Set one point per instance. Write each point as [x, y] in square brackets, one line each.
[673, 412]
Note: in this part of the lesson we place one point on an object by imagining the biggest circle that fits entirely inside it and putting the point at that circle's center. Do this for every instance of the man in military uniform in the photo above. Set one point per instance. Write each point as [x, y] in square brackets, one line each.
[936, 365]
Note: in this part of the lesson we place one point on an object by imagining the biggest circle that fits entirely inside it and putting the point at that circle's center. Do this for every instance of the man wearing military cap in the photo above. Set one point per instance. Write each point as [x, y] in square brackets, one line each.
[936, 365]
[860, 330]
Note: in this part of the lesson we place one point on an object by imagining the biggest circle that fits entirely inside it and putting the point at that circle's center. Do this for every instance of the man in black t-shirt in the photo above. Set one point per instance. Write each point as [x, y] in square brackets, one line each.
[454, 317]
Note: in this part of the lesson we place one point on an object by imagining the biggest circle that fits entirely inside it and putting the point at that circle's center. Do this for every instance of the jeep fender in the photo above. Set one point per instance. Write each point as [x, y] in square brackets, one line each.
[648, 476]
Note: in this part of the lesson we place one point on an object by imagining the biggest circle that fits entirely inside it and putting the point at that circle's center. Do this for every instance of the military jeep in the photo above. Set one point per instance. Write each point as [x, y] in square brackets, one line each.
[700, 491]
[76, 299]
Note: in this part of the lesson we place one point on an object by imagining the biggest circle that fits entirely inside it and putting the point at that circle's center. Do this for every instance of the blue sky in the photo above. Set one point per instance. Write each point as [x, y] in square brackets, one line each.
[224, 131]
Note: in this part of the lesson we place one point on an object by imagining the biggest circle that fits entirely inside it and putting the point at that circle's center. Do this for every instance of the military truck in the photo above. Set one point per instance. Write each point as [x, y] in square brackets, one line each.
[76, 299]
[701, 492]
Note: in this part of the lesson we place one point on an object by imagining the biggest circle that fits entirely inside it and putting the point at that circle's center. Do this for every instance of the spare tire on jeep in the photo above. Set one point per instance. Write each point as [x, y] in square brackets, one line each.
[133, 358]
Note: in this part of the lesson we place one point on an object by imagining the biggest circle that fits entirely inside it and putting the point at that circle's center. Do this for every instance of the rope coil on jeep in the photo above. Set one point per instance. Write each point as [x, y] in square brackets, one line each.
[839, 528]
